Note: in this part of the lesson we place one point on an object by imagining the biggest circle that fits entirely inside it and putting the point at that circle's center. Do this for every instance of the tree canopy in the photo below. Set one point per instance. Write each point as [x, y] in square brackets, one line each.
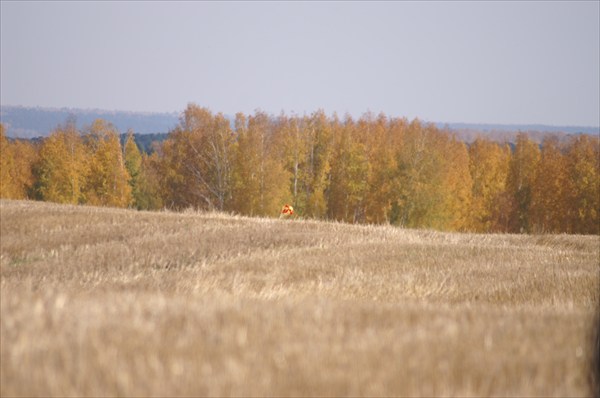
[372, 170]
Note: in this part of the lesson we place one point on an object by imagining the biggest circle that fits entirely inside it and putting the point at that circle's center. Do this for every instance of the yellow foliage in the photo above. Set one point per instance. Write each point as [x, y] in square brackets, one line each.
[522, 174]
[107, 182]
[7, 184]
[372, 170]
[61, 168]
[488, 164]
[550, 190]
[583, 168]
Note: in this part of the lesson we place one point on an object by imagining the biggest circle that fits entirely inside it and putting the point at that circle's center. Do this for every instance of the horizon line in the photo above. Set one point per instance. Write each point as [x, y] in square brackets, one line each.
[179, 113]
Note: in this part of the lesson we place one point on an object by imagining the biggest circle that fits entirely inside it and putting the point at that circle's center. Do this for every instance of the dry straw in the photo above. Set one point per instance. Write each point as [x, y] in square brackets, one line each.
[99, 301]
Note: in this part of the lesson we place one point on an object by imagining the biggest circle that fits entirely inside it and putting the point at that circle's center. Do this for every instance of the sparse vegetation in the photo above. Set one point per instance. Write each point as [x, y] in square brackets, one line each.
[101, 301]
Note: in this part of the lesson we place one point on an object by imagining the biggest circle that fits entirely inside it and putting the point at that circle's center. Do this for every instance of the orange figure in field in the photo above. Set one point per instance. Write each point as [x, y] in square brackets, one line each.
[287, 211]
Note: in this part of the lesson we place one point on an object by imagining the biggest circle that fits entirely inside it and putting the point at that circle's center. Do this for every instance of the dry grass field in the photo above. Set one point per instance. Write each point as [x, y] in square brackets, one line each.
[99, 301]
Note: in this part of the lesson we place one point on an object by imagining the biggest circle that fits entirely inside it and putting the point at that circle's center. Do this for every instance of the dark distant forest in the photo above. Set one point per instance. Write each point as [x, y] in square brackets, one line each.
[25, 122]
[145, 142]
[375, 169]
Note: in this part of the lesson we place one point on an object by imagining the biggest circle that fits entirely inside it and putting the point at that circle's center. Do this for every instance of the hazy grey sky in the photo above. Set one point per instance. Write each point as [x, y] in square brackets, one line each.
[479, 62]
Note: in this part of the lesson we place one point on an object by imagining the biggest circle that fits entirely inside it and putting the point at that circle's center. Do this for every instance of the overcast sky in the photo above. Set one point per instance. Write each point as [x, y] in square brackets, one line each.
[477, 62]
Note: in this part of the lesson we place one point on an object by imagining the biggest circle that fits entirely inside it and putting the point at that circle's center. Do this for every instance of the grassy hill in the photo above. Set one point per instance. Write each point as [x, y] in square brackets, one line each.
[99, 301]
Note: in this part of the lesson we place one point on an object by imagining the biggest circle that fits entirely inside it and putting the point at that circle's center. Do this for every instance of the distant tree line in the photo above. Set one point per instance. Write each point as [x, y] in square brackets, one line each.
[35, 122]
[374, 169]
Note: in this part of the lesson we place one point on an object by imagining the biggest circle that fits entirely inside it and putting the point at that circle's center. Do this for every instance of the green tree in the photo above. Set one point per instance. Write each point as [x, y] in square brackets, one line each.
[419, 173]
[315, 165]
[133, 164]
[522, 174]
[149, 195]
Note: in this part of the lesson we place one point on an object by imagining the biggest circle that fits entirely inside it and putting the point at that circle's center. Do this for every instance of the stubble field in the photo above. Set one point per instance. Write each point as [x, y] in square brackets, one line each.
[98, 301]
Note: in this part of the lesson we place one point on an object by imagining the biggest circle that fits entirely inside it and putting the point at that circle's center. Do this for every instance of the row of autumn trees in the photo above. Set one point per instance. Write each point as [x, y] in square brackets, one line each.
[371, 170]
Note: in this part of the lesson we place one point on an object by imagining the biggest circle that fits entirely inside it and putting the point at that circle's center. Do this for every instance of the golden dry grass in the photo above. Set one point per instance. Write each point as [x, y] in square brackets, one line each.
[98, 301]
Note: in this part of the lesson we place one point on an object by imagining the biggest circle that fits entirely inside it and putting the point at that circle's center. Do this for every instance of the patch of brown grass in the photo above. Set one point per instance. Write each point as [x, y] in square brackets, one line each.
[98, 301]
